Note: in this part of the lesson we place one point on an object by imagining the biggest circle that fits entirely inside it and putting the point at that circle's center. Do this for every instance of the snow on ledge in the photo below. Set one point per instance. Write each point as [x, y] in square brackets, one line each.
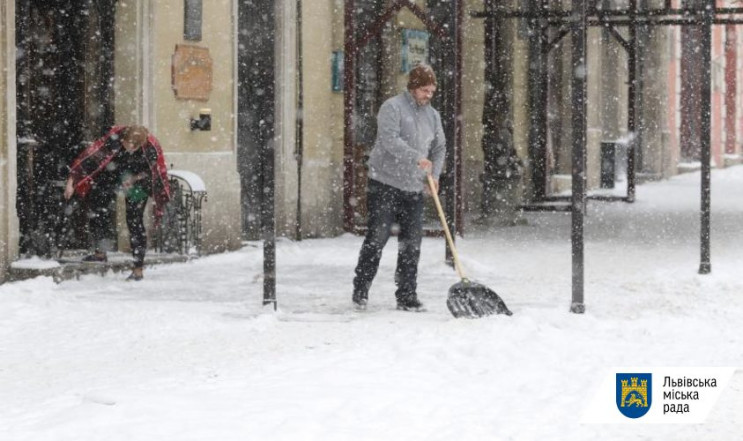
[35, 262]
[194, 181]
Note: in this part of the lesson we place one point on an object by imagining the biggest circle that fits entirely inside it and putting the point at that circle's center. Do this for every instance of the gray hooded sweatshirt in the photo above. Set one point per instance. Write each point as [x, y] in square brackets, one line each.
[406, 133]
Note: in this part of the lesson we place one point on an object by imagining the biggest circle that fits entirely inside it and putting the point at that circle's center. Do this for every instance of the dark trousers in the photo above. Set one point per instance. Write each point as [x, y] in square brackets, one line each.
[387, 206]
[101, 216]
[137, 234]
[102, 222]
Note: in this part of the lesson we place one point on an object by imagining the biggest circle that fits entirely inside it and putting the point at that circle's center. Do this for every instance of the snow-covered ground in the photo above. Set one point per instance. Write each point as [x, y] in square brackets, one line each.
[190, 354]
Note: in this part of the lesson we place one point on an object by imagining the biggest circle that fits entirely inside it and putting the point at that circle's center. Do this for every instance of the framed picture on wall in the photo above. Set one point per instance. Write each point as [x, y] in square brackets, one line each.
[414, 48]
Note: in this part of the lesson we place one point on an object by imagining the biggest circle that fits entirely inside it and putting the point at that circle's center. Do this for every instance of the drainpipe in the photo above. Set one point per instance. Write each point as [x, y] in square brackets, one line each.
[730, 88]
[299, 123]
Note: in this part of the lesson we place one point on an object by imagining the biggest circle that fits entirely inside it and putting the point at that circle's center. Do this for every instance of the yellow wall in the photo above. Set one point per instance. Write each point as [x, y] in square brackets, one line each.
[8, 219]
[147, 33]
[473, 98]
[172, 115]
[322, 174]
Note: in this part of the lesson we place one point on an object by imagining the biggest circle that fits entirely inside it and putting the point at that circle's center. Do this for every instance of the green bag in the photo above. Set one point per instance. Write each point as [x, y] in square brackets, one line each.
[136, 194]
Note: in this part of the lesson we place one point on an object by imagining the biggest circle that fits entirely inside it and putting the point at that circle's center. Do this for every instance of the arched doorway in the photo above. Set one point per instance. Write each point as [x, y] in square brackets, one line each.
[365, 56]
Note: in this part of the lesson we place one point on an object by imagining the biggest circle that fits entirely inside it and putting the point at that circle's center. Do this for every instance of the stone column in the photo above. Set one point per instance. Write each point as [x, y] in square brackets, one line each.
[8, 217]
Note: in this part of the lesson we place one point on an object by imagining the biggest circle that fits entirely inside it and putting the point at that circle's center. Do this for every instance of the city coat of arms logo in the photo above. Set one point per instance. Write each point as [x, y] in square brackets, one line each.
[634, 394]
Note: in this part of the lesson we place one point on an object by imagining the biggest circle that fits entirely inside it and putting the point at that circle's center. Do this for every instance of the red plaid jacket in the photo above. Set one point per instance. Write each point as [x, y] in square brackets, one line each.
[94, 159]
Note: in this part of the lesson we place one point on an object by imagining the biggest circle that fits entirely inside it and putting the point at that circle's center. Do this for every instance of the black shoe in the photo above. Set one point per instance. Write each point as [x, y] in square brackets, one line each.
[360, 305]
[134, 277]
[359, 301]
[410, 304]
[98, 256]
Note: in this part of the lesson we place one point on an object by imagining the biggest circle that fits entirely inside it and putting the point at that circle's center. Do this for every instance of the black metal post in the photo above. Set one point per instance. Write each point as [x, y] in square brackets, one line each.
[641, 39]
[299, 123]
[349, 99]
[458, 201]
[632, 104]
[579, 93]
[267, 110]
[447, 61]
[705, 267]
[450, 177]
[537, 83]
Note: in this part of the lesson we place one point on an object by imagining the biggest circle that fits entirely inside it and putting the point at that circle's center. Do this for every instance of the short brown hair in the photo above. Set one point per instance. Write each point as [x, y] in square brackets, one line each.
[421, 75]
[137, 135]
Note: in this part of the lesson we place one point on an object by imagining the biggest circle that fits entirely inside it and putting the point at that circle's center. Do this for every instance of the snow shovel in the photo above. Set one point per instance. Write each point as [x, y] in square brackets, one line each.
[466, 298]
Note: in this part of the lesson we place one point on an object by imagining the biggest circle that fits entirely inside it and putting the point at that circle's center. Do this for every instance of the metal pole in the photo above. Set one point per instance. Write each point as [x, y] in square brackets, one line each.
[641, 37]
[299, 125]
[267, 131]
[349, 96]
[632, 103]
[578, 92]
[458, 120]
[537, 84]
[705, 267]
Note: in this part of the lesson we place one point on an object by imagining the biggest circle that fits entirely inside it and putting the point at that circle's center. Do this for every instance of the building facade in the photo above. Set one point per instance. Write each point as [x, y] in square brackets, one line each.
[71, 69]
[271, 74]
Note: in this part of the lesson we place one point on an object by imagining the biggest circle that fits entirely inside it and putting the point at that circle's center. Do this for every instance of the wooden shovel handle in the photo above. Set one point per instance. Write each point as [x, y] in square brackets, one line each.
[444, 225]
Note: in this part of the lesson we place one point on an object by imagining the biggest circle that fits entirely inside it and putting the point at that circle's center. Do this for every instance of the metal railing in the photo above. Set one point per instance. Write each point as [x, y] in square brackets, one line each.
[180, 230]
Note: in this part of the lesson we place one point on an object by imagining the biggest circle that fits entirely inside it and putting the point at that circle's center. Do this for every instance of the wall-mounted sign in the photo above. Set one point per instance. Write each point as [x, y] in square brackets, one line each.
[192, 72]
[414, 48]
[337, 71]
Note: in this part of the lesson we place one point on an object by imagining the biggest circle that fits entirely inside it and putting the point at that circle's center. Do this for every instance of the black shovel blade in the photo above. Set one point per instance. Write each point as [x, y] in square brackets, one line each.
[471, 300]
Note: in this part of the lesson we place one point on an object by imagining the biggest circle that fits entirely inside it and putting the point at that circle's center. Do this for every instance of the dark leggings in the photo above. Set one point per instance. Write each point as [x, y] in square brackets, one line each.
[137, 234]
[102, 220]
